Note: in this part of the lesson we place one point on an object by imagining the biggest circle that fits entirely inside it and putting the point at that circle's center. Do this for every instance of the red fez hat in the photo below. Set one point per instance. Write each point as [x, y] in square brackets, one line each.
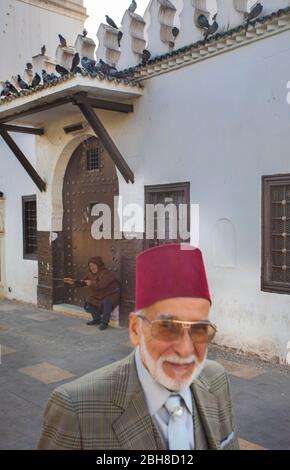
[169, 271]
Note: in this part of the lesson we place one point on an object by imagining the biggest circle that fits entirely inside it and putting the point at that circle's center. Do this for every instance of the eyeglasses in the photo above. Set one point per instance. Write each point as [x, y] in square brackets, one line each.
[200, 332]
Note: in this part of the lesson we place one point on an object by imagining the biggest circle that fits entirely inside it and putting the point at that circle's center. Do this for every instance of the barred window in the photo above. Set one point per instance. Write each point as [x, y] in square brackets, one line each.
[29, 227]
[165, 194]
[276, 233]
[93, 162]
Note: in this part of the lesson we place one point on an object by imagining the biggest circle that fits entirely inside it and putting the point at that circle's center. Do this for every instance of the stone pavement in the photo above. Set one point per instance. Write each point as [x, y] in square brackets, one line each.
[43, 349]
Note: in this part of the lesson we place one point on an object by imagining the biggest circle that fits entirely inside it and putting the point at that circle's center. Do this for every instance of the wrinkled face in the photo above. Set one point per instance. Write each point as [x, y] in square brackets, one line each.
[93, 268]
[177, 363]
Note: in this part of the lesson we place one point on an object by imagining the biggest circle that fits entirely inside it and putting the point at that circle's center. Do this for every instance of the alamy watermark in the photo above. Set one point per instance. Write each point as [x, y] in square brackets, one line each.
[160, 221]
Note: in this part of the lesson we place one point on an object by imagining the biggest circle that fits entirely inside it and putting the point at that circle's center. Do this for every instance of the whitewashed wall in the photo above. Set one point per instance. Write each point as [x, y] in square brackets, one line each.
[21, 274]
[222, 124]
[24, 28]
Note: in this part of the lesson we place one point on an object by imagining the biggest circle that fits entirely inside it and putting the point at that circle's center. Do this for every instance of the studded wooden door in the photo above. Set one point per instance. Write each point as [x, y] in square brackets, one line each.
[90, 179]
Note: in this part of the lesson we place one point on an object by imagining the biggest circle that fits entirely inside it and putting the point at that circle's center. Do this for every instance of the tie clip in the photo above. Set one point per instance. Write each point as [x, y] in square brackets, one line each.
[178, 411]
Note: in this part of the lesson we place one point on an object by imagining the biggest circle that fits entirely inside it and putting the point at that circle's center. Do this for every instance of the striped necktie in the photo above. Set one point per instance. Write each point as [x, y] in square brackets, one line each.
[177, 431]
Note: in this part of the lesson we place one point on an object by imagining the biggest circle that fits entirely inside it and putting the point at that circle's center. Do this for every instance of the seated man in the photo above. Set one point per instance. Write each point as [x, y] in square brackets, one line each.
[104, 292]
[164, 395]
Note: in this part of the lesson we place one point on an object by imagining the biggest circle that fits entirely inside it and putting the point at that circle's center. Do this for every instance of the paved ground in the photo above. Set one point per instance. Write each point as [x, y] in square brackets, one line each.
[43, 349]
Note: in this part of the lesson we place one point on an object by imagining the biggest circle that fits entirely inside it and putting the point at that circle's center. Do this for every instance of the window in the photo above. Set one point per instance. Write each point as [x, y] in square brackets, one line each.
[168, 195]
[93, 162]
[29, 227]
[275, 276]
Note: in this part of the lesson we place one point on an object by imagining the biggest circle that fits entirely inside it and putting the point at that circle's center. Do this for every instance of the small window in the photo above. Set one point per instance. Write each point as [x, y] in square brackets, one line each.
[29, 227]
[276, 234]
[93, 160]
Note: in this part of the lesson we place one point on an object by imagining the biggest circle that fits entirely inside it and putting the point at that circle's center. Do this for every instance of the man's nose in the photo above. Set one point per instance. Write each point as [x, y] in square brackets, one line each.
[184, 345]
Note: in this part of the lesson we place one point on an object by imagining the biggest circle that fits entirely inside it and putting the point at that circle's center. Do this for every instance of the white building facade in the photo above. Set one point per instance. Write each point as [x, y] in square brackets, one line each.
[26, 25]
[210, 126]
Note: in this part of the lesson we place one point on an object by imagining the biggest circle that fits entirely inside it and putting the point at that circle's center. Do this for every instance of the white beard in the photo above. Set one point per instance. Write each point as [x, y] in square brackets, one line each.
[156, 368]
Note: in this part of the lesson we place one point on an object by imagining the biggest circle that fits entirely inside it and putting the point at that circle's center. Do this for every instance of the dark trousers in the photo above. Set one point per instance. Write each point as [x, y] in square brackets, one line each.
[102, 313]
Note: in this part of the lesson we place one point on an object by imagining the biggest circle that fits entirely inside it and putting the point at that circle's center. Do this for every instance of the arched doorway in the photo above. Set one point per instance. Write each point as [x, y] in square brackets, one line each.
[90, 178]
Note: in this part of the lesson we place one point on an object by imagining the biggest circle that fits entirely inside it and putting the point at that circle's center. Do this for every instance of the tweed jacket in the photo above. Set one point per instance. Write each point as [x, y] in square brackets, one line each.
[106, 409]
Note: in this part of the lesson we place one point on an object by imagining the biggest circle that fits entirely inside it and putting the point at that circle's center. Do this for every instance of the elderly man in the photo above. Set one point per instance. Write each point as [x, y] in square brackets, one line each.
[165, 395]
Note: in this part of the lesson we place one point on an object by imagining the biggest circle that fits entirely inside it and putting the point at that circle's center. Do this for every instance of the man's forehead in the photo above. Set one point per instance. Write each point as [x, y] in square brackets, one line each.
[177, 307]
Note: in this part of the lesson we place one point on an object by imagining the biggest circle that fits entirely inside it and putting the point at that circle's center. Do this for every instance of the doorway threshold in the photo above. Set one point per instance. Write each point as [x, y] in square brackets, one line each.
[78, 312]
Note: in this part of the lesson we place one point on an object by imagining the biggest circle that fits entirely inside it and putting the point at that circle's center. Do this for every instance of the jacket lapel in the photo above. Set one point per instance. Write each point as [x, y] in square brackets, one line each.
[207, 406]
[134, 427]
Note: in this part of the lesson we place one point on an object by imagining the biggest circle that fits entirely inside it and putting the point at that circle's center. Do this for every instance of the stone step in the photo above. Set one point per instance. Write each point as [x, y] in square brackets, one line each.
[78, 312]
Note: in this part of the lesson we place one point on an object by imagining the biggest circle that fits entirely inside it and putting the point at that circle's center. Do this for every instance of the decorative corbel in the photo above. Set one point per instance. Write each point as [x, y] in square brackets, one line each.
[64, 56]
[85, 46]
[108, 49]
[41, 62]
[133, 41]
[159, 17]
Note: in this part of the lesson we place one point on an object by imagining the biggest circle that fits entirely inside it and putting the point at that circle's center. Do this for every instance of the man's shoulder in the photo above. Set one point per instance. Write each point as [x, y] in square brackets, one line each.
[100, 383]
[213, 375]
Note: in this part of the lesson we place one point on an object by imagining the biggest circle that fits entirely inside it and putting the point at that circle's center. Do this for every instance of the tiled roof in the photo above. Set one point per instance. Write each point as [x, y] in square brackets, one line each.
[65, 78]
[199, 50]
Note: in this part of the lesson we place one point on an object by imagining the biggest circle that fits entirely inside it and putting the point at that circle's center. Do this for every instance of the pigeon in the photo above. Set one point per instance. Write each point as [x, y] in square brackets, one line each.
[46, 77]
[11, 87]
[78, 70]
[145, 56]
[23, 85]
[88, 64]
[6, 90]
[61, 70]
[132, 8]
[85, 33]
[103, 67]
[75, 61]
[254, 13]
[120, 35]
[175, 32]
[62, 41]
[111, 22]
[202, 22]
[53, 77]
[35, 81]
[43, 50]
[29, 66]
[212, 28]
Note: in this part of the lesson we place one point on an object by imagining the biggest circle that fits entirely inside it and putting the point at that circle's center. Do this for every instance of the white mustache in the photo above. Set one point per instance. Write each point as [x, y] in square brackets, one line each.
[178, 360]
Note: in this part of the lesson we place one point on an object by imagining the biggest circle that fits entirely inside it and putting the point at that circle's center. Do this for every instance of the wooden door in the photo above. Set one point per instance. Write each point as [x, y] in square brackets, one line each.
[90, 179]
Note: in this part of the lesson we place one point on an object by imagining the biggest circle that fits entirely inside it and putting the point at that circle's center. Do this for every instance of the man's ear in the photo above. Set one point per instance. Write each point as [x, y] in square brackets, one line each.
[134, 329]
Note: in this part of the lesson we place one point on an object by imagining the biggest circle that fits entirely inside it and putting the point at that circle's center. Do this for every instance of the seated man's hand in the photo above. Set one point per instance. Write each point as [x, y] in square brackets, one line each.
[88, 283]
[69, 280]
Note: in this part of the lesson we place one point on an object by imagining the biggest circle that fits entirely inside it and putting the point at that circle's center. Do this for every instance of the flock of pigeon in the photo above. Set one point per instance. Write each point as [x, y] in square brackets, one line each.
[86, 66]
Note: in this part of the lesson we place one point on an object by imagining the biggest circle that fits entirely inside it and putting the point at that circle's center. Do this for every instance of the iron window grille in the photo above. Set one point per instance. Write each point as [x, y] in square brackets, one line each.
[275, 272]
[29, 215]
[93, 159]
